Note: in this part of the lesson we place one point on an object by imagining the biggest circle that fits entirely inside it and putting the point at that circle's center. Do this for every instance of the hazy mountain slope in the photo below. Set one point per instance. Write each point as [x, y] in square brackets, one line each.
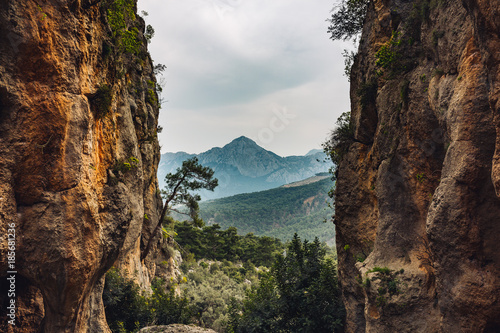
[278, 212]
[242, 166]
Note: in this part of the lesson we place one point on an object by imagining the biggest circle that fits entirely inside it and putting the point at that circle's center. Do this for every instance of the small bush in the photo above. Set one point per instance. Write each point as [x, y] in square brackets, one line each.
[340, 140]
[389, 283]
[101, 101]
[383, 270]
[127, 309]
[122, 166]
[150, 32]
[389, 55]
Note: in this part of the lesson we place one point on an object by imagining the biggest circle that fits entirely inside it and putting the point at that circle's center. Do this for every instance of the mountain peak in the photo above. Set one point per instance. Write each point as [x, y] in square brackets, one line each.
[242, 140]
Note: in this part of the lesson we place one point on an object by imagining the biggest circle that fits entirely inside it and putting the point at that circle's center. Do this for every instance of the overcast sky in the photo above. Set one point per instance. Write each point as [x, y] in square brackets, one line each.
[260, 68]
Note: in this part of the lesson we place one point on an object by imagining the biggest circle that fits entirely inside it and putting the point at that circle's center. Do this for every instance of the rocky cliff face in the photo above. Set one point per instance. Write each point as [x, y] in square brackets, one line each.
[78, 160]
[418, 193]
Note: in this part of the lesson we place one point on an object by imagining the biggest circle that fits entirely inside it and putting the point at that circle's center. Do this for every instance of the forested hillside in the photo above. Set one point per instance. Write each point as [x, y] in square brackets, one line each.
[233, 283]
[279, 212]
[242, 166]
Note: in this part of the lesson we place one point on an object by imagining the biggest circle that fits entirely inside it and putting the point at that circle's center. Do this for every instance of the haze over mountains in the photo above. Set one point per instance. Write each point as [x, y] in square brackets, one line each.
[281, 212]
[242, 166]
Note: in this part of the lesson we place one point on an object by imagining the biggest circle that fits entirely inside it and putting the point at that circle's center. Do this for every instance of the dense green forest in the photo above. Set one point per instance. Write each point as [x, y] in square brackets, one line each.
[225, 280]
[213, 243]
[280, 212]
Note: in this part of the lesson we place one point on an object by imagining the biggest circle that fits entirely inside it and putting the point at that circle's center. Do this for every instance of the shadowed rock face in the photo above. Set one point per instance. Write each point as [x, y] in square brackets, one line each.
[420, 194]
[76, 206]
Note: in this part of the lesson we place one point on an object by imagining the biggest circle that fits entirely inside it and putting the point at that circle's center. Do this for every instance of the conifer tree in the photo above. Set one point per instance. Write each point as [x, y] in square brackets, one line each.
[190, 177]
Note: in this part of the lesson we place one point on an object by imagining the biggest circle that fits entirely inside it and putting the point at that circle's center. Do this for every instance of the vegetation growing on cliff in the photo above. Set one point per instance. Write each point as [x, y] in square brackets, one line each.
[339, 141]
[121, 17]
[346, 23]
[101, 101]
[347, 19]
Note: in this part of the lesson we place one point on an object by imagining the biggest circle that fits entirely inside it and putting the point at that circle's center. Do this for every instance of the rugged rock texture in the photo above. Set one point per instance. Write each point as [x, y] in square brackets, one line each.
[418, 193]
[78, 158]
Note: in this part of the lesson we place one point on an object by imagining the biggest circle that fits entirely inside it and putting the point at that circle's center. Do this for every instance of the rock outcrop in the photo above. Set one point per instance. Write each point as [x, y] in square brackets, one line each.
[78, 157]
[418, 193]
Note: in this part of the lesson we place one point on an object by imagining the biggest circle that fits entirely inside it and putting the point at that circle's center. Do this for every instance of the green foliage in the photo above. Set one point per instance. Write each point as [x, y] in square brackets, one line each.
[215, 244]
[211, 287]
[119, 13]
[340, 140]
[151, 96]
[130, 41]
[127, 309]
[225, 270]
[167, 308]
[383, 270]
[300, 294]
[123, 166]
[101, 101]
[389, 284]
[420, 177]
[349, 58]
[123, 303]
[347, 19]
[389, 54]
[278, 212]
[121, 18]
[360, 257]
[150, 32]
[192, 176]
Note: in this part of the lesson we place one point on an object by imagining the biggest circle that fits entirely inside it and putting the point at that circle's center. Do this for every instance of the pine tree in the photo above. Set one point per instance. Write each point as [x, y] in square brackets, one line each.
[190, 177]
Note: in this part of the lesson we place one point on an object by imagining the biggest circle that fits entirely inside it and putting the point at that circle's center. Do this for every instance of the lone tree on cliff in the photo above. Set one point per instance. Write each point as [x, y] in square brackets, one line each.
[191, 176]
[347, 19]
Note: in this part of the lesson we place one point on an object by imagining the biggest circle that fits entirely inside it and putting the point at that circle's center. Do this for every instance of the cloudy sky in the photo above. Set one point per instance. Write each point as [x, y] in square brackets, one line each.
[259, 68]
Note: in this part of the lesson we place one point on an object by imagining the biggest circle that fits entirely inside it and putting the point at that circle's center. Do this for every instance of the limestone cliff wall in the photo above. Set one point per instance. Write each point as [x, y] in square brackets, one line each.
[78, 157]
[418, 193]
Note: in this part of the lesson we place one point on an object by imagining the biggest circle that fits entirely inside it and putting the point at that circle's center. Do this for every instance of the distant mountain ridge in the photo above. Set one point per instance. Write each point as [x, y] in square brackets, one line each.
[242, 166]
[278, 212]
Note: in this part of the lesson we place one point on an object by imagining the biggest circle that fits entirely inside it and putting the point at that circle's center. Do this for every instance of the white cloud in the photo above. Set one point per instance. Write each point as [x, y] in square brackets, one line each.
[230, 62]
